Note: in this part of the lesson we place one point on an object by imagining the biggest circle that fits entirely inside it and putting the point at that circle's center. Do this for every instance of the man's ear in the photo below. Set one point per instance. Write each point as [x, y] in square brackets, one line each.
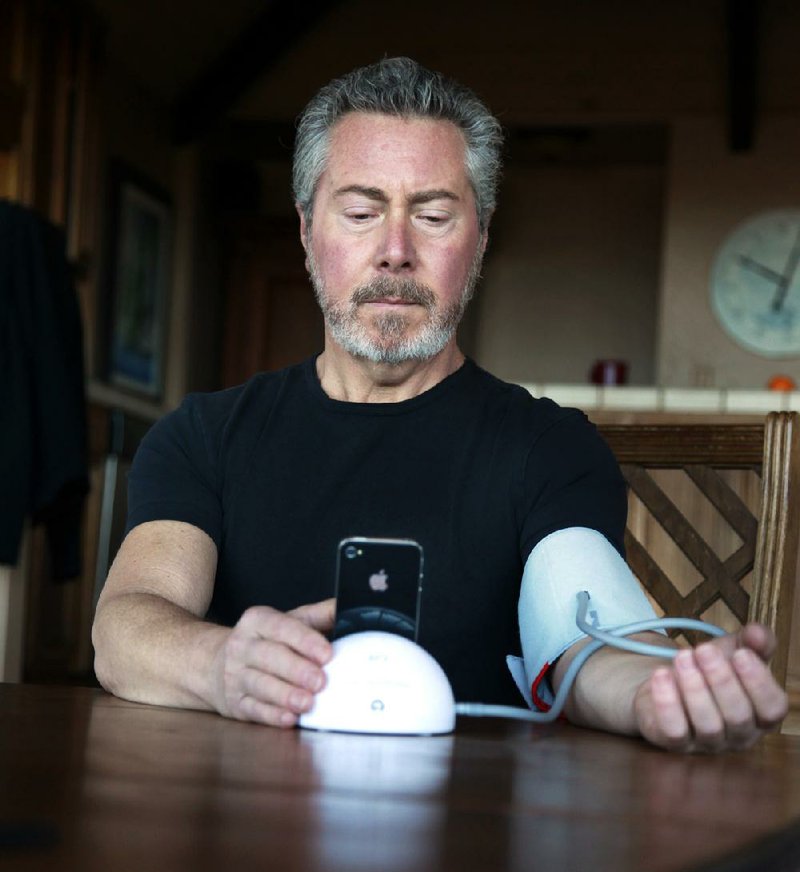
[303, 228]
[484, 241]
[304, 235]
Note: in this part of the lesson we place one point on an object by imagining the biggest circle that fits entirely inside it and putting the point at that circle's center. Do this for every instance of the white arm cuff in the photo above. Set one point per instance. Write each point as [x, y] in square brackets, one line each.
[561, 565]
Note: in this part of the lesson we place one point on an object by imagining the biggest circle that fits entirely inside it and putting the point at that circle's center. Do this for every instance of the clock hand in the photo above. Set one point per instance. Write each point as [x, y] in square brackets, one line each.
[756, 267]
[788, 275]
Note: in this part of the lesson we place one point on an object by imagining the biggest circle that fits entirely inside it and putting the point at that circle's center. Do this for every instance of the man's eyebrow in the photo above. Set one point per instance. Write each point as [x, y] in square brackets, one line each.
[428, 196]
[369, 193]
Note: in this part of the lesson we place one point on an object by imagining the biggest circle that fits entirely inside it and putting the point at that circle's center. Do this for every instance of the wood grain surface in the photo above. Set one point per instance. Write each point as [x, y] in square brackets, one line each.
[89, 782]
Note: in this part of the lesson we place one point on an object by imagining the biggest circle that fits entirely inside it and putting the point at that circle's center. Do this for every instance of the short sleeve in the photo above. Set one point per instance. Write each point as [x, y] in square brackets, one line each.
[173, 476]
[572, 479]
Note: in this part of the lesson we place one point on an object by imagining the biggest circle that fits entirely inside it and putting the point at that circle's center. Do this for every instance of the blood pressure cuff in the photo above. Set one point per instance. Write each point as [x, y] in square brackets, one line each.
[559, 567]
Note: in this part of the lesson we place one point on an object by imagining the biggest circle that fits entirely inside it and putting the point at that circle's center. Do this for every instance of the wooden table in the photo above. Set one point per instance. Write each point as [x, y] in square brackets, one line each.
[89, 782]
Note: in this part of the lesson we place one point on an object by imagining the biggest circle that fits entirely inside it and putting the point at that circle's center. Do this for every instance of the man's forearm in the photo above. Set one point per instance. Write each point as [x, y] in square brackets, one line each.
[148, 649]
[604, 691]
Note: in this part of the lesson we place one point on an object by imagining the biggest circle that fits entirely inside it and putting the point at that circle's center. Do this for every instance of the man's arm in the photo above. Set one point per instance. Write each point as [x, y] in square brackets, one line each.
[718, 696]
[152, 644]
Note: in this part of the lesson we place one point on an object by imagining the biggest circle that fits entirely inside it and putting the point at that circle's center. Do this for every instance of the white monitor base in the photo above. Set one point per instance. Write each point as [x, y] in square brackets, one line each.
[382, 683]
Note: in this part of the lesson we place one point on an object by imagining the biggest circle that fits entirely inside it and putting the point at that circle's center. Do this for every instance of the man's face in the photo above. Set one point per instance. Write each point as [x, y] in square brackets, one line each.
[395, 249]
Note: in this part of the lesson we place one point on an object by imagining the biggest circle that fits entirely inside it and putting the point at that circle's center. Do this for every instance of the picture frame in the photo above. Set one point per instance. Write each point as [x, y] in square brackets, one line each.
[139, 278]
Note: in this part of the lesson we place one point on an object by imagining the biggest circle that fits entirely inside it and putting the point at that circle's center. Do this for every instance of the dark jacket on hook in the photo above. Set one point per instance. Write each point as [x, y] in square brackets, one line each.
[43, 455]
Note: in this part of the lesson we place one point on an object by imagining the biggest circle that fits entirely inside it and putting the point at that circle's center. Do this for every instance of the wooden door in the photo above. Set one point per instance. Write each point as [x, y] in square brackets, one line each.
[271, 316]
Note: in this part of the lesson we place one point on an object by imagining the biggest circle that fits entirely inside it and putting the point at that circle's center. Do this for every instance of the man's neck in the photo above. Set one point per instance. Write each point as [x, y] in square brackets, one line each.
[354, 380]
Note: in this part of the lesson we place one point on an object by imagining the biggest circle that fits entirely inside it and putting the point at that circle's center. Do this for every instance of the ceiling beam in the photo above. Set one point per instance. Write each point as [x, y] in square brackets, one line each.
[742, 20]
[259, 45]
[249, 139]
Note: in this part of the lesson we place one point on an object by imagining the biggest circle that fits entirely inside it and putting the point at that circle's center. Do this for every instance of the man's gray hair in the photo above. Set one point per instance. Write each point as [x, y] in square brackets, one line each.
[401, 87]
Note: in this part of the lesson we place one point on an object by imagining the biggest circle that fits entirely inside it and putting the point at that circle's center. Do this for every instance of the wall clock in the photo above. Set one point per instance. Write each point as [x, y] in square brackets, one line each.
[755, 284]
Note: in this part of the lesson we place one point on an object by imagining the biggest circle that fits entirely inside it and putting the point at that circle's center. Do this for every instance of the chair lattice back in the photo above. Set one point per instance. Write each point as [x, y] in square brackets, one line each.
[718, 504]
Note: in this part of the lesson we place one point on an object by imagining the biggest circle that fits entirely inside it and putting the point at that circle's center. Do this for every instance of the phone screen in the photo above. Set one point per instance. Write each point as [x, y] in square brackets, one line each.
[378, 586]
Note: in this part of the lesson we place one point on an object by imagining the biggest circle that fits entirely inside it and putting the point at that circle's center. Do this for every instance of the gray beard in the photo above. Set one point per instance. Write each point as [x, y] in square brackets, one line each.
[386, 339]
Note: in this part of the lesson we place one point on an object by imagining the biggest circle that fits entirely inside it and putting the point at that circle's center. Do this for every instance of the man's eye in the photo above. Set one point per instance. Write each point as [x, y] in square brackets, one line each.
[359, 217]
[432, 218]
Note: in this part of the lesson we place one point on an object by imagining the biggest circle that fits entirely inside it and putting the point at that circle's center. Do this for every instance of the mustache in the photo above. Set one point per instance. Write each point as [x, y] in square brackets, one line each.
[405, 290]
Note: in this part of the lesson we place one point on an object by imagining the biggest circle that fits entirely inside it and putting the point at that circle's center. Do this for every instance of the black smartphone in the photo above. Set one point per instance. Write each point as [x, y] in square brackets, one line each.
[378, 586]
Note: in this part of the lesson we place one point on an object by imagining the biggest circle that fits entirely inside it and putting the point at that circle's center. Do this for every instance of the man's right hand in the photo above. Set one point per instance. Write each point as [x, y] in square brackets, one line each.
[153, 645]
[270, 666]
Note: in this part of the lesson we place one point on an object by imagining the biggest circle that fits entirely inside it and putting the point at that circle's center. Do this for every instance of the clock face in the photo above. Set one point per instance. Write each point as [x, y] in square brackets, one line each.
[755, 284]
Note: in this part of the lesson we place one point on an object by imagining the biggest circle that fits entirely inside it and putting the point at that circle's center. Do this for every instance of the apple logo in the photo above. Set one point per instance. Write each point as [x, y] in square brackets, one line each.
[377, 581]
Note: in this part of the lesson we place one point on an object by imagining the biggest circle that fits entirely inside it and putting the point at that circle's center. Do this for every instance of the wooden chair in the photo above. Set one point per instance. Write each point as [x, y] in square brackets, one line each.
[725, 497]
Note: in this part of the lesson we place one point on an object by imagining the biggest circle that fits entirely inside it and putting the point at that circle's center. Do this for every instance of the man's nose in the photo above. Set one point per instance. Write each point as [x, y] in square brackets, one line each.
[396, 247]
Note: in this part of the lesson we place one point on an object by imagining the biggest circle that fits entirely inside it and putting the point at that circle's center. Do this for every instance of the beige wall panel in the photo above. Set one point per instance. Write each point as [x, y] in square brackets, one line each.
[709, 191]
[572, 273]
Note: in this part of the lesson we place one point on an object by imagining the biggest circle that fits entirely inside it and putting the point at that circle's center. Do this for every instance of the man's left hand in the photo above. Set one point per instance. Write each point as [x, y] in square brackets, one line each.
[718, 696]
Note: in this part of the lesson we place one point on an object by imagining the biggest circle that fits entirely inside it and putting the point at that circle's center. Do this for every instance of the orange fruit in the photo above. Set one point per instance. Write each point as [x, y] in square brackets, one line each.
[781, 383]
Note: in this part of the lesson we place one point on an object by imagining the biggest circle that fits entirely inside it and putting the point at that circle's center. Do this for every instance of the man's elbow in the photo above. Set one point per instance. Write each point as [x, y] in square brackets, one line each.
[102, 642]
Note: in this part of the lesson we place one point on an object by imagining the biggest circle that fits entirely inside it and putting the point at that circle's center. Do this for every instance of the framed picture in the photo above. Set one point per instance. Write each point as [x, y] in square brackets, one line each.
[139, 274]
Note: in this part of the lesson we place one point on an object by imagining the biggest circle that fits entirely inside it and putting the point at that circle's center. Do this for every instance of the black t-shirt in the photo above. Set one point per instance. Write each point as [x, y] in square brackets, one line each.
[476, 470]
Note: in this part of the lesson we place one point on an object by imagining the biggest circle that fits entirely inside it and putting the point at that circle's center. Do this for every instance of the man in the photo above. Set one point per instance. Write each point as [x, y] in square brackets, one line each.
[220, 595]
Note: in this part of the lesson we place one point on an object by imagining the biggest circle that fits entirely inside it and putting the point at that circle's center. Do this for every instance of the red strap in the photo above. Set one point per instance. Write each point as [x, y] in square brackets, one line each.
[537, 701]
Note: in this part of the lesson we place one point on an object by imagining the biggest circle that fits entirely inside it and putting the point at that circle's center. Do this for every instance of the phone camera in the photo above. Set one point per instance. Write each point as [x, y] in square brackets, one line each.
[350, 551]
